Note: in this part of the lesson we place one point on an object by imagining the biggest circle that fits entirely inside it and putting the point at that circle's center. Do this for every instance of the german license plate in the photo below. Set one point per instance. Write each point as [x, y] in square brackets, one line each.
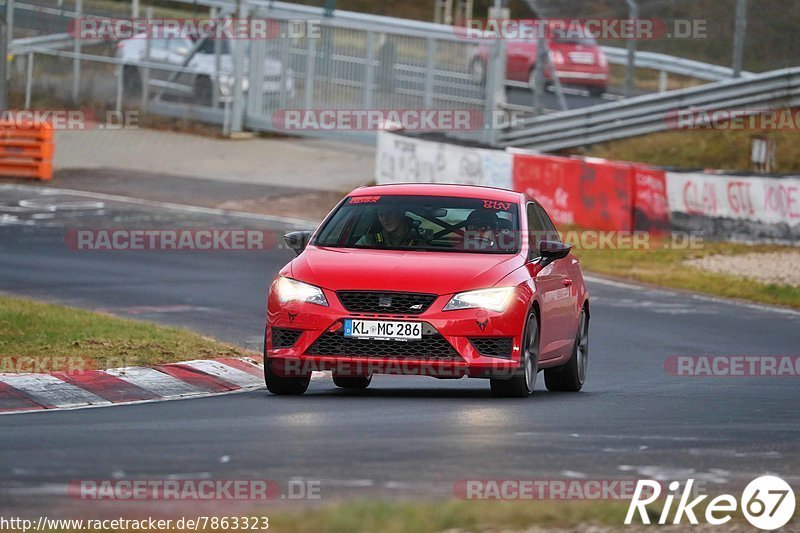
[383, 329]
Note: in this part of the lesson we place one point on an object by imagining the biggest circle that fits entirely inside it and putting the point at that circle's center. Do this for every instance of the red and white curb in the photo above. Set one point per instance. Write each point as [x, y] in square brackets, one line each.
[96, 388]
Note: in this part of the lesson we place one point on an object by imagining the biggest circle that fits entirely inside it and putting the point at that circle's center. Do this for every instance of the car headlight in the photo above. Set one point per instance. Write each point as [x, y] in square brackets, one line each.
[290, 290]
[495, 299]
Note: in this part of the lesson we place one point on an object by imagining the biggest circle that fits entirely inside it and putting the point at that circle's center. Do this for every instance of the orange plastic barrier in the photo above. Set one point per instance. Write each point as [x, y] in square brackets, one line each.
[26, 150]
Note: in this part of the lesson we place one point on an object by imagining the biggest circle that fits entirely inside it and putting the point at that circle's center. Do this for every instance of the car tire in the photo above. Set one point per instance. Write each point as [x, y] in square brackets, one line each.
[571, 376]
[532, 78]
[597, 92]
[204, 91]
[283, 385]
[354, 382]
[521, 384]
[132, 81]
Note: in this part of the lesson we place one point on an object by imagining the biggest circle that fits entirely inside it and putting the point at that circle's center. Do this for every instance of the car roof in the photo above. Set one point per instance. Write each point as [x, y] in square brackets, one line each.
[439, 189]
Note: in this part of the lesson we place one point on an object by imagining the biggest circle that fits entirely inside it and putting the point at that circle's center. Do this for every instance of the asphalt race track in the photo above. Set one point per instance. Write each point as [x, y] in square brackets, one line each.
[403, 436]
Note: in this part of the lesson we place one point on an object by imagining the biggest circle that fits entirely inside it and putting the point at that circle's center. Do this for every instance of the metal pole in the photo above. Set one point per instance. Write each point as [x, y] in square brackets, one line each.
[29, 81]
[3, 68]
[630, 81]
[217, 58]
[135, 9]
[9, 36]
[369, 70]
[146, 70]
[76, 48]
[538, 72]
[430, 65]
[238, 76]
[559, 90]
[738, 37]
[311, 60]
[662, 81]
[495, 84]
[120, 84]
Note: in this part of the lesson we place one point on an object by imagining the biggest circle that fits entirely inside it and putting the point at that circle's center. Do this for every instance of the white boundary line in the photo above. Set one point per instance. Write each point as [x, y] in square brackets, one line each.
[302, 222]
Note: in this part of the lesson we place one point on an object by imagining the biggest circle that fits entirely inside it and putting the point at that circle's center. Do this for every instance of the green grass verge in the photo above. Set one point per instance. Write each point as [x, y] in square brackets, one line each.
[665, 267]
[722, 149]
[458, 515]
[62, 337]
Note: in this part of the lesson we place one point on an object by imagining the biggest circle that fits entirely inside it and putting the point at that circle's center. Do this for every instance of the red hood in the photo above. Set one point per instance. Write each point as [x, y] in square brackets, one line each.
[392, 270]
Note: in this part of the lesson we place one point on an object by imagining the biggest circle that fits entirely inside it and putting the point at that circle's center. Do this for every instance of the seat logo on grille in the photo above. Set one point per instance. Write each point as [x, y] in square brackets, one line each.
[385, 301]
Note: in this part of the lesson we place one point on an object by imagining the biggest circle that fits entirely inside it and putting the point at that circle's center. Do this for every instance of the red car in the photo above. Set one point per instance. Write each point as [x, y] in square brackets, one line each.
[578, 61]
[428, 279]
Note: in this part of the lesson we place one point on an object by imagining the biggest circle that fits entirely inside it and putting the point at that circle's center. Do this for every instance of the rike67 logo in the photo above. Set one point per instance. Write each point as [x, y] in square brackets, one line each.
[767, 502]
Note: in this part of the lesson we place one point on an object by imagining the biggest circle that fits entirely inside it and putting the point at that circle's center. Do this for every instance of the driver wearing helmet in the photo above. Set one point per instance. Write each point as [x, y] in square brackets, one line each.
[395, 230]
[481, 230]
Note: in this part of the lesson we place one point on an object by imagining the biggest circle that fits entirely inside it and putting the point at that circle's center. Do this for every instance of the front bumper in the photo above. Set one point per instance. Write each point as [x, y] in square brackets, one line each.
[583, 77]
[455, 343]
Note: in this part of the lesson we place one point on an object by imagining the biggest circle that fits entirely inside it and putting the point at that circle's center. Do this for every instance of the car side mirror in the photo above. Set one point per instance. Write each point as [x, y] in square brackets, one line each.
[297, 240]
[550, 251]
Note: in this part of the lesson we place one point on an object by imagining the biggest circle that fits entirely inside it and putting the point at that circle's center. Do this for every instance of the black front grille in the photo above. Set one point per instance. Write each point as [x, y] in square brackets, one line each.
[431, 347]
[396, 303]
[493, 346]
[285, 338]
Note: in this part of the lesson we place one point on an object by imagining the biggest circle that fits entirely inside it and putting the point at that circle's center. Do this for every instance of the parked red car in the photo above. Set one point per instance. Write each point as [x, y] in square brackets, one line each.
[578, 61]
[428, 279]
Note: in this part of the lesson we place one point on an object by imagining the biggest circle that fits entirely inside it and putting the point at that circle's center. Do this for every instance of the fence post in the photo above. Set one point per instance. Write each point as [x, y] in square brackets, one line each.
[145, 77]
[311, 56]
[214, 14]
[538, 73]
[8, 37]
[630, 82]
[76, 48]
[3, 68]
[430, 65]
[28, 80]
[238, 76]
[120, 85]
[495, 88]
[369, 70]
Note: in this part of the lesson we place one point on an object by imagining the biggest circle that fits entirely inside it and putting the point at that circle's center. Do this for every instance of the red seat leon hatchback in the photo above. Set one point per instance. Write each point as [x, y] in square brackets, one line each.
[427, 279]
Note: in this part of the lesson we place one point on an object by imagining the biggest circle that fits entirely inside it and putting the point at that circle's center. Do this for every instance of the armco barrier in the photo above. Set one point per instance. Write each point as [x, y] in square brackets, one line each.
[26, 150]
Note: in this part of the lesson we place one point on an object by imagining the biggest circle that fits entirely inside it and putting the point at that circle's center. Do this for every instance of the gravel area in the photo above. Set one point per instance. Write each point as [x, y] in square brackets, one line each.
[781, 268]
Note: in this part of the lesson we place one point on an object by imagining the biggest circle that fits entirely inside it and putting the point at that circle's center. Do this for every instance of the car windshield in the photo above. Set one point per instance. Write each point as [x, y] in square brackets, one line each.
[423, 223]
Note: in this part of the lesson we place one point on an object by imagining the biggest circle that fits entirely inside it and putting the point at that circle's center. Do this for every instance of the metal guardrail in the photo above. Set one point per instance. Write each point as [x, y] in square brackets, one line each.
[651, 113]
[672, 64]
[425, 65]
